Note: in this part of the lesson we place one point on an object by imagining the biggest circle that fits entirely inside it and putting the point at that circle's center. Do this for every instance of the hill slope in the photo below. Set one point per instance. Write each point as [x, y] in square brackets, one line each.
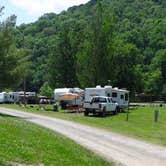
[128, 37]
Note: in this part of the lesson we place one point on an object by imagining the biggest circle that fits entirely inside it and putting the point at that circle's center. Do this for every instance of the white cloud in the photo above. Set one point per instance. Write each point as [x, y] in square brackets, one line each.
[39, 7]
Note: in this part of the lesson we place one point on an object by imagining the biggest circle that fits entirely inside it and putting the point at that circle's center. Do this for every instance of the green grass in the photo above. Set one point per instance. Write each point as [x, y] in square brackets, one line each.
[141, 123]
[27, 143]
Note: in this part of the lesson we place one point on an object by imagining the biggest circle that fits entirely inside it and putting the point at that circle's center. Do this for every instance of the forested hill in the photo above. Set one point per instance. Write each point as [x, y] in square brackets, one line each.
[119, 40]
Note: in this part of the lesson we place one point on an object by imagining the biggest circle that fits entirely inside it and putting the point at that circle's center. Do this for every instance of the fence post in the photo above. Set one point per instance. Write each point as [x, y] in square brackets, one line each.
[156, 114]
[127, 118]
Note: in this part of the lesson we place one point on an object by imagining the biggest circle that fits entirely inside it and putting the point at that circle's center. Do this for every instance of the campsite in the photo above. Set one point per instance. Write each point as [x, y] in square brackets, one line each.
[82, 83]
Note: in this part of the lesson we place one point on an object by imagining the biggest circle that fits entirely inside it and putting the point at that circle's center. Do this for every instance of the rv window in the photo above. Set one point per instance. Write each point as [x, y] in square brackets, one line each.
[126, 97]
[122, 96]
[114, 94]
[108, 95]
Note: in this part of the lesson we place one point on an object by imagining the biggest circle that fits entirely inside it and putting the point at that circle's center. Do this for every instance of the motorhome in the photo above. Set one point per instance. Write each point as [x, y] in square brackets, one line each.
[121, 96]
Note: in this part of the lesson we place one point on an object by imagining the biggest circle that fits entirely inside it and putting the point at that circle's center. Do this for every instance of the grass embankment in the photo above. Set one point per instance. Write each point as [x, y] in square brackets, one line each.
[140, 125]
[25, 143]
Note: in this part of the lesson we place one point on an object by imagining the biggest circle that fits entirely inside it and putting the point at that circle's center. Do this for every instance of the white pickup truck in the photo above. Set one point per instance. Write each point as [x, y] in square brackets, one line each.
[100, 105]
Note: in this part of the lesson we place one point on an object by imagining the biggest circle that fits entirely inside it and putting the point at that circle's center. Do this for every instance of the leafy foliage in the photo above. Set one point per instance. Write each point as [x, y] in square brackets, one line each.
[122, 41]
[8, 53]
[46, 90]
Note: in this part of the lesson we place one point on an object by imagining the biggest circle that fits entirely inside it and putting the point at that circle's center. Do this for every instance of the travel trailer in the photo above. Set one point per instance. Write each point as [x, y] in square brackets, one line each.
[12, 97]
[69, 97]
[60, 91]
[29, 98]
[3, 97]
[120, 96]
[15, 97]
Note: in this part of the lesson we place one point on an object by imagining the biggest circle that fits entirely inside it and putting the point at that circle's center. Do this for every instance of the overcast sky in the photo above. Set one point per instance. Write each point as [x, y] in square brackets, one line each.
[29, 10]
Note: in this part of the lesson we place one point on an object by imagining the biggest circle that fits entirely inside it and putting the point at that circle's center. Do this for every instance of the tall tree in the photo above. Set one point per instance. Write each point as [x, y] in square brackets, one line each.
[8, 56]
[94, 68]
[63, 61]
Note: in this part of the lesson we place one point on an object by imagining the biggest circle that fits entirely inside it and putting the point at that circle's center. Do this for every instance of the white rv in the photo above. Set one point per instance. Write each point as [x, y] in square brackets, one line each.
[10, 97]
[13, 97]
[120, 96]
[3, 97]
[60, 91]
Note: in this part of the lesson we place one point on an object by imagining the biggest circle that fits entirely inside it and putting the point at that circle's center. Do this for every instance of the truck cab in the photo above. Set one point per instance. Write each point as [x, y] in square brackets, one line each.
[100, 105]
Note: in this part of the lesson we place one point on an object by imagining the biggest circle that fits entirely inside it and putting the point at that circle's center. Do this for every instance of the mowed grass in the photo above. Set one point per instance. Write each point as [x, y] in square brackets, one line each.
[141, 123]
[26, 143]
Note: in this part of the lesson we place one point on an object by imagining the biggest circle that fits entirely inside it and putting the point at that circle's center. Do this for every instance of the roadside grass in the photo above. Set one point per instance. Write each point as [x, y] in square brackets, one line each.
[26, 143]
[141, 123]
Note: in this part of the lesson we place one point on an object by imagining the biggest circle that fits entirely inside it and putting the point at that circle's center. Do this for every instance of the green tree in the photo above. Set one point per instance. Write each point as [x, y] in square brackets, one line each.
[93, 58]
[121, 41]
[8, 56]
[24, 68]
[63, 61]
[46, 90]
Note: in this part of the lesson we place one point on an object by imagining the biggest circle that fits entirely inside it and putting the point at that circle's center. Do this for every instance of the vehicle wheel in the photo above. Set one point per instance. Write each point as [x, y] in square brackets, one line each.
[103, 113]
[116, 111]
[86, 112]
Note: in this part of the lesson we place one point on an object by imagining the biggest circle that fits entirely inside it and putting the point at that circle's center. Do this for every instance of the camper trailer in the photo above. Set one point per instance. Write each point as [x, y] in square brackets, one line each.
[3, 97]
[28, 97]
[15, 97]
[12, 97]
[69, 97]
[119, 96]
[60, 91]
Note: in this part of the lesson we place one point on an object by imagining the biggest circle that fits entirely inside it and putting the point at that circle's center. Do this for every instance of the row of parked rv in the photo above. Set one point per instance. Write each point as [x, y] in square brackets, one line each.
[94, 100]
[97, 99]
[15, 97]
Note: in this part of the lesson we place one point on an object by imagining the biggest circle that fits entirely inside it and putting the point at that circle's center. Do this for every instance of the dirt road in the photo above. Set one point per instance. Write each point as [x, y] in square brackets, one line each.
[128, 151]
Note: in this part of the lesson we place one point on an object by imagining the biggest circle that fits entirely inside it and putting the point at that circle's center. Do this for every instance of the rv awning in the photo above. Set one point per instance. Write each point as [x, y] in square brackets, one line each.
[69, 96]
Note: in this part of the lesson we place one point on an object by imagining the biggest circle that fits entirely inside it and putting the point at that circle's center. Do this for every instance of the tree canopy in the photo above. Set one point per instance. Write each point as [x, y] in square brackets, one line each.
[123, 41]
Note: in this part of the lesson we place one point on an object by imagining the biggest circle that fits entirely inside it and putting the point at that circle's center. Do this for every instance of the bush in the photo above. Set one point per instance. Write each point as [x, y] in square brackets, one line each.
[46, 90]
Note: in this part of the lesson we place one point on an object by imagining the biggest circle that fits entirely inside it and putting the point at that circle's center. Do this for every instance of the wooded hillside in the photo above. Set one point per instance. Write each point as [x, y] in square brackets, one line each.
[119, 40]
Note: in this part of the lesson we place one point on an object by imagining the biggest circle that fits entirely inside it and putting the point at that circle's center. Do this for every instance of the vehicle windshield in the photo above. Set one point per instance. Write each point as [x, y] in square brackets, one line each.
[111, 100]
[102, 100]
[126, 97]
[95, 100]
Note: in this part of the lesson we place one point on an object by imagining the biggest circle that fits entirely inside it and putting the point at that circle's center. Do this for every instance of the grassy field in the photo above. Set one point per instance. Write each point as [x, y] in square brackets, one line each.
[141, 123]
[26, 143]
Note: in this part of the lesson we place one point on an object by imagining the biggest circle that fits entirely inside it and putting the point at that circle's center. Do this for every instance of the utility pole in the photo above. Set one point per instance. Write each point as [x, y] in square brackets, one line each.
[109, 82]
[127, 117]
[24, 72]
[24, 91]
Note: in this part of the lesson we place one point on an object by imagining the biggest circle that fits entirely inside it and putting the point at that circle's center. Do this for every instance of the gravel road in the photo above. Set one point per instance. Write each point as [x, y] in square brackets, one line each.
[112, 146]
